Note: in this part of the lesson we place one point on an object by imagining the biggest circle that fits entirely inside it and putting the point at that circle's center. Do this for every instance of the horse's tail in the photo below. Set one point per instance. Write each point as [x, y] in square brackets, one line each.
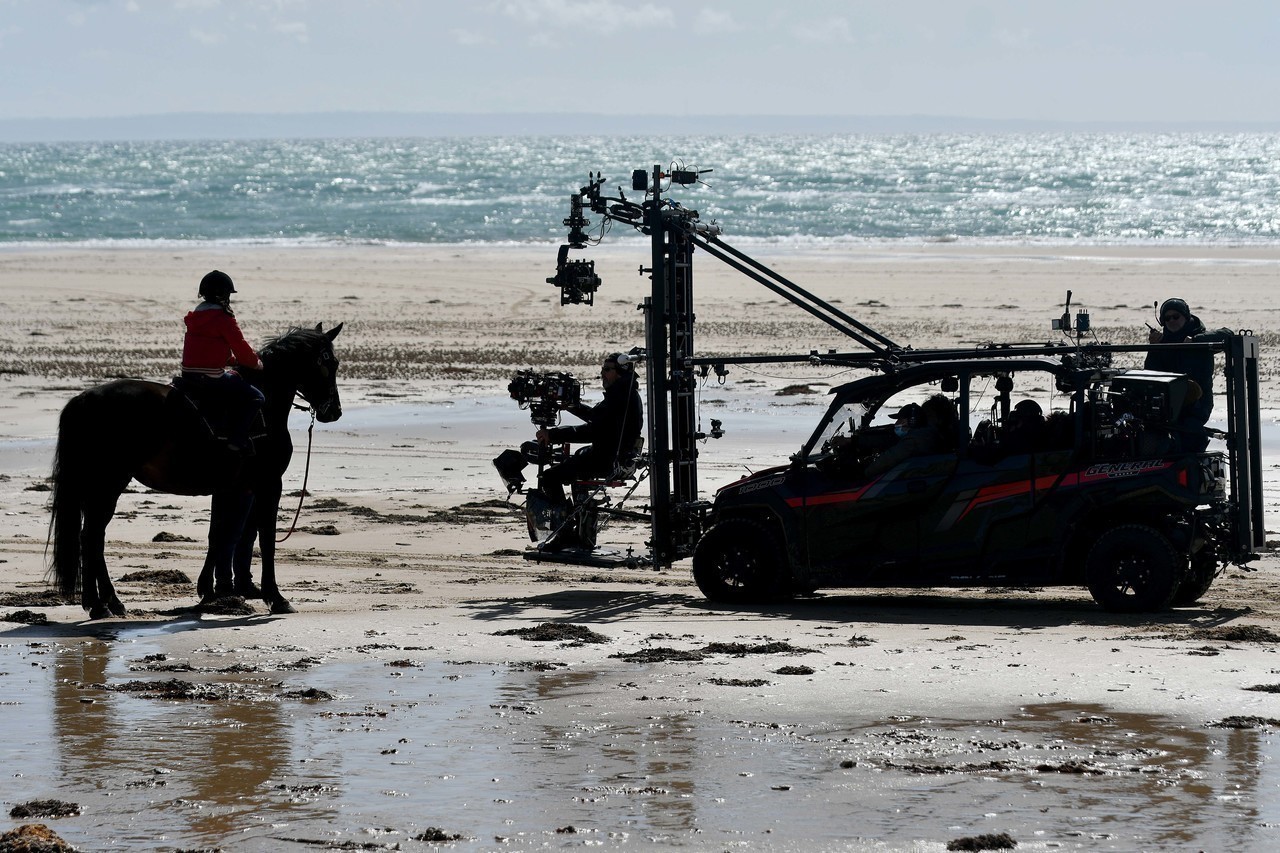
[66, 501]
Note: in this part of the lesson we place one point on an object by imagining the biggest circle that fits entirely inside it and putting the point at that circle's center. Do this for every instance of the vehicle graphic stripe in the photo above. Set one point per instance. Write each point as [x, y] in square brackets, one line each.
[1004, 491]
[846, 496]
[1092, 474]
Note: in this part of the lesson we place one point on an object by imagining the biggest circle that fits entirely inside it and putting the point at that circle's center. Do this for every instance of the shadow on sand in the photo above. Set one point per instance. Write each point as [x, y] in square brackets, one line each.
[1048, 610]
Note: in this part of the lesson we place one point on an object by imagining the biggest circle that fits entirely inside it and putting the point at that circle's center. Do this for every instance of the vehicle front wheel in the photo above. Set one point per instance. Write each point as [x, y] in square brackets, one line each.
[739, 561]
[1133, 569]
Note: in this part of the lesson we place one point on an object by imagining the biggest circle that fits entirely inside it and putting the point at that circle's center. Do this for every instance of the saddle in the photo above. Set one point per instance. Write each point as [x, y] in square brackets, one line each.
[191, 411]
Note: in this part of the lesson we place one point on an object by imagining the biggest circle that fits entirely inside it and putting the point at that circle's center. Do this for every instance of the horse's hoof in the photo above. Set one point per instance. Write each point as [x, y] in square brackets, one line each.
[282, 606]
[116, 606]
[216, 596]
[248, 590]
[99, 612]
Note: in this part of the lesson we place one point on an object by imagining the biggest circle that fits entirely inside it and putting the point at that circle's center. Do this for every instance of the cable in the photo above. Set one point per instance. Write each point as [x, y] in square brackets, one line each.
[817, 378]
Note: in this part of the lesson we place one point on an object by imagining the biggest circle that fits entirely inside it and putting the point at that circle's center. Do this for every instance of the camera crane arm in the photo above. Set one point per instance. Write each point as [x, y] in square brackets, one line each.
[879, 344]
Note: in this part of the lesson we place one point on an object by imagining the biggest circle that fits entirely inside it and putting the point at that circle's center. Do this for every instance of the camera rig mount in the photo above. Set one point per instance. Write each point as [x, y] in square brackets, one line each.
[545, 395]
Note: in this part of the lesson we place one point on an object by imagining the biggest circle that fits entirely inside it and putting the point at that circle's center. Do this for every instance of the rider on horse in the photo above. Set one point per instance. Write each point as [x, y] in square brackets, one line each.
[213, 346]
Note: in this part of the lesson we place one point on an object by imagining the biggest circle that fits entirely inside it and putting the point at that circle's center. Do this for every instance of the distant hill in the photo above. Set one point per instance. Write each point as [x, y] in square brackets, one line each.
[384, 124]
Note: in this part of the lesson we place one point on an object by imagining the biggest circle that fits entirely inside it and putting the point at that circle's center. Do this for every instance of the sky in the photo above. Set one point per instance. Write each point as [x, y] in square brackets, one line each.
[1038, 60]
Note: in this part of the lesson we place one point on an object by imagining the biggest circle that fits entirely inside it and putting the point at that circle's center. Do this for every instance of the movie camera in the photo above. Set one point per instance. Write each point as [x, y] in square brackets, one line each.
[576, 279]
[545, 395]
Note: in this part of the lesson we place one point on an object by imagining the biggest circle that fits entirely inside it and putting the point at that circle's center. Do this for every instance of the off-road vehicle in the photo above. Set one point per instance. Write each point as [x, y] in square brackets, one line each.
[1103, 493]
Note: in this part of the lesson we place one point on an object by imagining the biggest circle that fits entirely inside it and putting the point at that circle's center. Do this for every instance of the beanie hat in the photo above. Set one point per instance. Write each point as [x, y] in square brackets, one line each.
[1175, 304]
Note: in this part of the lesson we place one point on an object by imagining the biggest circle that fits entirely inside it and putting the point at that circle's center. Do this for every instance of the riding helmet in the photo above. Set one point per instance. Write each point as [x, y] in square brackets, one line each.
[216, 285]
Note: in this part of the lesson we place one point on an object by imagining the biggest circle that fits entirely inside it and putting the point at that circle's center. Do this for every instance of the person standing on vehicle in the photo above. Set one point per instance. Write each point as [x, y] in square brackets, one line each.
[612, 427]
[213, 347]
[1179, 326]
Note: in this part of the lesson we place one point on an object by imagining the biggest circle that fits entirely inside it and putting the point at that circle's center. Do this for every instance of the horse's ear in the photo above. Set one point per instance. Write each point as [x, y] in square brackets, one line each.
[319, 327]
[333, 333]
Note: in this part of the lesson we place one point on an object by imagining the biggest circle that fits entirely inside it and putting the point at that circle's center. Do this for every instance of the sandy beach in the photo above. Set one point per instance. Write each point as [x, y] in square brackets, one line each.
[435, 688]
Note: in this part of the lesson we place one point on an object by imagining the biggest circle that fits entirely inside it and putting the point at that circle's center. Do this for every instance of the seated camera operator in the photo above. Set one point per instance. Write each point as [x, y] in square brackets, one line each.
[612, 426]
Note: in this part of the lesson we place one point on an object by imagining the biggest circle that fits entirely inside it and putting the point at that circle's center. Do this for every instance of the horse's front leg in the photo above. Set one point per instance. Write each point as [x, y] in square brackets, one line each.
[97, 594]
[268, 510]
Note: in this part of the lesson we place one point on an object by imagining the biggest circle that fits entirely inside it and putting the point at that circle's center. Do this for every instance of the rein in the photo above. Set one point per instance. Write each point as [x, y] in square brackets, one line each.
[306, 472]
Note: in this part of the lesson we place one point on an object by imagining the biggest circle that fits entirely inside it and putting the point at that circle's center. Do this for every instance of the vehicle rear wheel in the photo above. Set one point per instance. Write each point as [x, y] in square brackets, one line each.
[739, 561]
[1197, 582]
[1132, 569]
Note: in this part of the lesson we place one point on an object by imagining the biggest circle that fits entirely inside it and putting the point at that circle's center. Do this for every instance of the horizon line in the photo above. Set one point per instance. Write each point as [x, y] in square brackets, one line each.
[389, 123]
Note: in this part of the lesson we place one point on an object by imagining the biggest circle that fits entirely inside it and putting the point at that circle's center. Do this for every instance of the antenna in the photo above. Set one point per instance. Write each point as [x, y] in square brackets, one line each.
[1065, 325]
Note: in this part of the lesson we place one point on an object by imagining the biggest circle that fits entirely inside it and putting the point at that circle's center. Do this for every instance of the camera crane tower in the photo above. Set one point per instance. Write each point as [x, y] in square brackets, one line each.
[672, 366]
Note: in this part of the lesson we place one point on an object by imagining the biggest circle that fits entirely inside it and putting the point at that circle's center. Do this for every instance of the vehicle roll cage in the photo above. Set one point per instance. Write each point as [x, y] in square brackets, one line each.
[677, 514]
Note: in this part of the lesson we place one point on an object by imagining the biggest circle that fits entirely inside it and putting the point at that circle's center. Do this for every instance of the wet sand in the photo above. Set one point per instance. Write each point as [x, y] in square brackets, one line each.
[398, 708]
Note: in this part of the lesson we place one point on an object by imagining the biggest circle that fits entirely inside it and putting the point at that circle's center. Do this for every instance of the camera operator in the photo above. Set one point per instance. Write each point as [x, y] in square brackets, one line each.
[612, 426]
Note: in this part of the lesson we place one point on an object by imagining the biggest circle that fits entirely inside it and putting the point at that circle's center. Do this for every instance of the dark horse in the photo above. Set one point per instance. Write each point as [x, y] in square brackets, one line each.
[131, 429]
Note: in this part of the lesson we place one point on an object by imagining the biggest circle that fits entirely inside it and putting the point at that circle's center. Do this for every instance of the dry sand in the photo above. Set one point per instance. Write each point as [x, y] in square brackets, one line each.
[882, 719]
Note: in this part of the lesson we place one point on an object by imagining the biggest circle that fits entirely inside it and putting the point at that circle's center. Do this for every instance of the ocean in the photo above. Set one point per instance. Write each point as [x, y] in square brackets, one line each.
[1194, 188]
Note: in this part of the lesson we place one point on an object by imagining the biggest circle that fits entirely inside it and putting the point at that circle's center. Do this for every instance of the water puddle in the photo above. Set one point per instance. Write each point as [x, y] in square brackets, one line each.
[270, 749]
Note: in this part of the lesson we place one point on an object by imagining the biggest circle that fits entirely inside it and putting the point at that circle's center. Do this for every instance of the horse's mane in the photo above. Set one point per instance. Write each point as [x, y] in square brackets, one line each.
[294, 341]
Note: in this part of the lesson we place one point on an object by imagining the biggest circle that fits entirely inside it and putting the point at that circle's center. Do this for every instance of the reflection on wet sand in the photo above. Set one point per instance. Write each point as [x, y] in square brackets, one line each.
[501, 753]
[1061, 772]
[211, 763]
[1149, 766]
[649, 765]
[1076, 771]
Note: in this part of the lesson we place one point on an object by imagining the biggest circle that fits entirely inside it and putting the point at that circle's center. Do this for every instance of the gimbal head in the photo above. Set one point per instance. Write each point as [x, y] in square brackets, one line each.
[576, 279]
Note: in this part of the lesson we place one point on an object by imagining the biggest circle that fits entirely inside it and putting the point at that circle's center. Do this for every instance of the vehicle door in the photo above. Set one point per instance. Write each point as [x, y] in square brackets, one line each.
[862, 528]
[999, 521]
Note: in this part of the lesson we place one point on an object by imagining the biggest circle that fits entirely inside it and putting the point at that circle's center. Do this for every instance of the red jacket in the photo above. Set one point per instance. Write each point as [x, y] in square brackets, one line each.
[214, 341]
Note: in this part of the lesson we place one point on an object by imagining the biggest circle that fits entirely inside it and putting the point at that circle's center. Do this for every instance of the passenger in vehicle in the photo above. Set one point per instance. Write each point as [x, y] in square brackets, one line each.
[1178, 325]
[1059, 431]
[1024, 429]
[926, 429]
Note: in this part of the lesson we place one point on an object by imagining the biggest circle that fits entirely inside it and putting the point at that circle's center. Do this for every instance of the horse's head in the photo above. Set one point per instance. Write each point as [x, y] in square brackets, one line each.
[307, 356]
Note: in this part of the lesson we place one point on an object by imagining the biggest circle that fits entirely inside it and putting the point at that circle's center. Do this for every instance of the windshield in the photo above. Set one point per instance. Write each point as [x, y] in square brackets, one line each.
[841, 424]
